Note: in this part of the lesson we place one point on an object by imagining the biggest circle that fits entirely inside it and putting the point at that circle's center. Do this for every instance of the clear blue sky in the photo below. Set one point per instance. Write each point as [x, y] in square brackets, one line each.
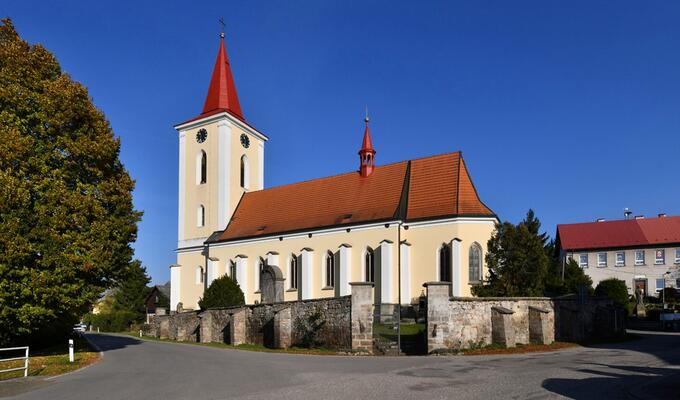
[570, 108]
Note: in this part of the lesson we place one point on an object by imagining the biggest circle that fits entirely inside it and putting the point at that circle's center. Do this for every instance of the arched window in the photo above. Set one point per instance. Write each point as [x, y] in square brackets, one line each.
[369, 265]
[199, 275]
[475, 263]
[260, 268]
[293, 270]
[330, 270]
[445, 263]
[245, 173]
[201, 168]
[200, 216]
[232, 270]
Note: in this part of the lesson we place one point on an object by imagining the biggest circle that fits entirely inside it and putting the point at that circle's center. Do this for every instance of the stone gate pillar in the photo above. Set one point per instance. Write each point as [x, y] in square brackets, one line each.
[362, 316]
[237, 327]
[437, 314]
[283, 328]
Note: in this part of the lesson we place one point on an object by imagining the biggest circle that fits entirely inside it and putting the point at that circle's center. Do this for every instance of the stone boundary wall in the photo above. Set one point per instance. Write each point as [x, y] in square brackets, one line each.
[324, 323]
[456, 323]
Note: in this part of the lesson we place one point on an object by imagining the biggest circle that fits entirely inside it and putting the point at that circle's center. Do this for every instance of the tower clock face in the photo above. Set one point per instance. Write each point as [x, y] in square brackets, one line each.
[201, 135]
[245, 140]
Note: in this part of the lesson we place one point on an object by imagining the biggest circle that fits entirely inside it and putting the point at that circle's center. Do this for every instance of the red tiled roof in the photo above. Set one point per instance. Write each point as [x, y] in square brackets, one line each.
[619, 233]
[438, 186]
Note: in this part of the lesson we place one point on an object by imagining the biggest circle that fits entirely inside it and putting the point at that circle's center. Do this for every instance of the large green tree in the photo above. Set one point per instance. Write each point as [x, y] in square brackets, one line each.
[132, 291]
[516, 259]
[66, 213]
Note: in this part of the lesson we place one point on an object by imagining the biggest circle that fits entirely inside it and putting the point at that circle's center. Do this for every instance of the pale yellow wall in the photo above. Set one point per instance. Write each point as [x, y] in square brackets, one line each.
[425, 242]
[207, 194]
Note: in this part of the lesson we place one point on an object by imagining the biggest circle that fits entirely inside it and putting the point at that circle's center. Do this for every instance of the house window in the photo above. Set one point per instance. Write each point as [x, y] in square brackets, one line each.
[601, 259]
[232, 270]
[369, 265]
[583, 260]
[445, 263]
[245, 173]
[660, 283]
[199, 275]
[677, 256]
[293, 271]
[201, 167]
[330, 270]
[639, 257]
[620, 259]
[200, 216]
[475, 263]
[660, 257]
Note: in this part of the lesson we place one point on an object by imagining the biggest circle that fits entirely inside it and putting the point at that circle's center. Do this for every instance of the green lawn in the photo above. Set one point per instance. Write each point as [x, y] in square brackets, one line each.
[51, 361]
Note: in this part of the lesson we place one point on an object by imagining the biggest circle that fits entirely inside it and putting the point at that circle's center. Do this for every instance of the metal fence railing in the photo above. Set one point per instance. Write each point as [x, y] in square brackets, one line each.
[24, 357]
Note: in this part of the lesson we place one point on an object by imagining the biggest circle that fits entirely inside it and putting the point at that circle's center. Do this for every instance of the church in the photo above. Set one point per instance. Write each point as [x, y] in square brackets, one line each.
[397, 225]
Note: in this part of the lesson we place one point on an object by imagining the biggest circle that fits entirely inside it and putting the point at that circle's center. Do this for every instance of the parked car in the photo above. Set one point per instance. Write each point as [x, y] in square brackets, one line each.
[79, 328]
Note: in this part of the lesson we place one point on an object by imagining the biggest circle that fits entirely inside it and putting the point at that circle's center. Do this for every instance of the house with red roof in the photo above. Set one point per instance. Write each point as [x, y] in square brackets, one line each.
[396, 225]
[643, 252]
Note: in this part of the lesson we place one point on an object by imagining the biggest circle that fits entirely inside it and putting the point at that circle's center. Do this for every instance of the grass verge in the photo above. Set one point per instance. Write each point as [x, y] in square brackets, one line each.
[245, 346]
[51, 361]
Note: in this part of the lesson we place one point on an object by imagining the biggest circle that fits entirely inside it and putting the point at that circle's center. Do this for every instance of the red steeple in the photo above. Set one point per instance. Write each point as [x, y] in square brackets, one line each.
[222, 91]
[366, 153]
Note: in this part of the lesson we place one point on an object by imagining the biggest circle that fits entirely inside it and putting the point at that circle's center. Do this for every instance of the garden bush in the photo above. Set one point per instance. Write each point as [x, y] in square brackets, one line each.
[615, 289]
[222, 292]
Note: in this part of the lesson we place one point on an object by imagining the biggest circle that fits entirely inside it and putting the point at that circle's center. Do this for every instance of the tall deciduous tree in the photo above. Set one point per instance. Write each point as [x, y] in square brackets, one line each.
[66, 213]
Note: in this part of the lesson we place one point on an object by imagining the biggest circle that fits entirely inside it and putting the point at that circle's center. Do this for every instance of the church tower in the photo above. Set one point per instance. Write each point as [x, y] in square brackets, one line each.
[220, 157]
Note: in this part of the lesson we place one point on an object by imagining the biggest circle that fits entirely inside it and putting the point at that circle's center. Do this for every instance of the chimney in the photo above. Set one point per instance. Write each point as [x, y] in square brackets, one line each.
[626, 213]
[600, 220]
[639, 217]
[662, 215]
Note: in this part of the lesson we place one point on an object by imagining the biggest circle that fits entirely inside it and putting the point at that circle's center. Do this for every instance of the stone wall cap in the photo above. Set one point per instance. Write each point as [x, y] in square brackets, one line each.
[436, 283]
[371, 284]
[500, 298]
[539, 309]
[502, 310]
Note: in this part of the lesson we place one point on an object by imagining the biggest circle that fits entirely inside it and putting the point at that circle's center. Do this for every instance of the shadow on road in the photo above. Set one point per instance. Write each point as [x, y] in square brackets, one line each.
[626, 380]
[112, 342]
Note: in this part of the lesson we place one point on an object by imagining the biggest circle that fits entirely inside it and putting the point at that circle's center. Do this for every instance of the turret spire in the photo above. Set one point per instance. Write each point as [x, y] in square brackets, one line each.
[222, 94]
[366, 153]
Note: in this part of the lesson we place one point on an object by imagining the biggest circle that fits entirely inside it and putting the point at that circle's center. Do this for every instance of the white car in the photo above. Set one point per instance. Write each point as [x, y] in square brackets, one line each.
[79, 327]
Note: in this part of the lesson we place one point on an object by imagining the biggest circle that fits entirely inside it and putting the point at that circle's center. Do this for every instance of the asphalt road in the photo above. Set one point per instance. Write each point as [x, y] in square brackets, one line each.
[133, 369]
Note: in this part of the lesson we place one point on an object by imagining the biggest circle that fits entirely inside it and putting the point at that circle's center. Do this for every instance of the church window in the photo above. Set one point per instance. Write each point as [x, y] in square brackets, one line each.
[200, 216]
[260, 268]
[445, 263]
[199, 275]
[201, 168]
[232, 270]
[330, 269]
[475, 263]
[293, 271]
[245, 173]
[369, 265]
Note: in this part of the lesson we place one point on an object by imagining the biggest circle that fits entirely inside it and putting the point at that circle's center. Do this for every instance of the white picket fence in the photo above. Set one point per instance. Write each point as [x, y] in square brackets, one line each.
[25, 358]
